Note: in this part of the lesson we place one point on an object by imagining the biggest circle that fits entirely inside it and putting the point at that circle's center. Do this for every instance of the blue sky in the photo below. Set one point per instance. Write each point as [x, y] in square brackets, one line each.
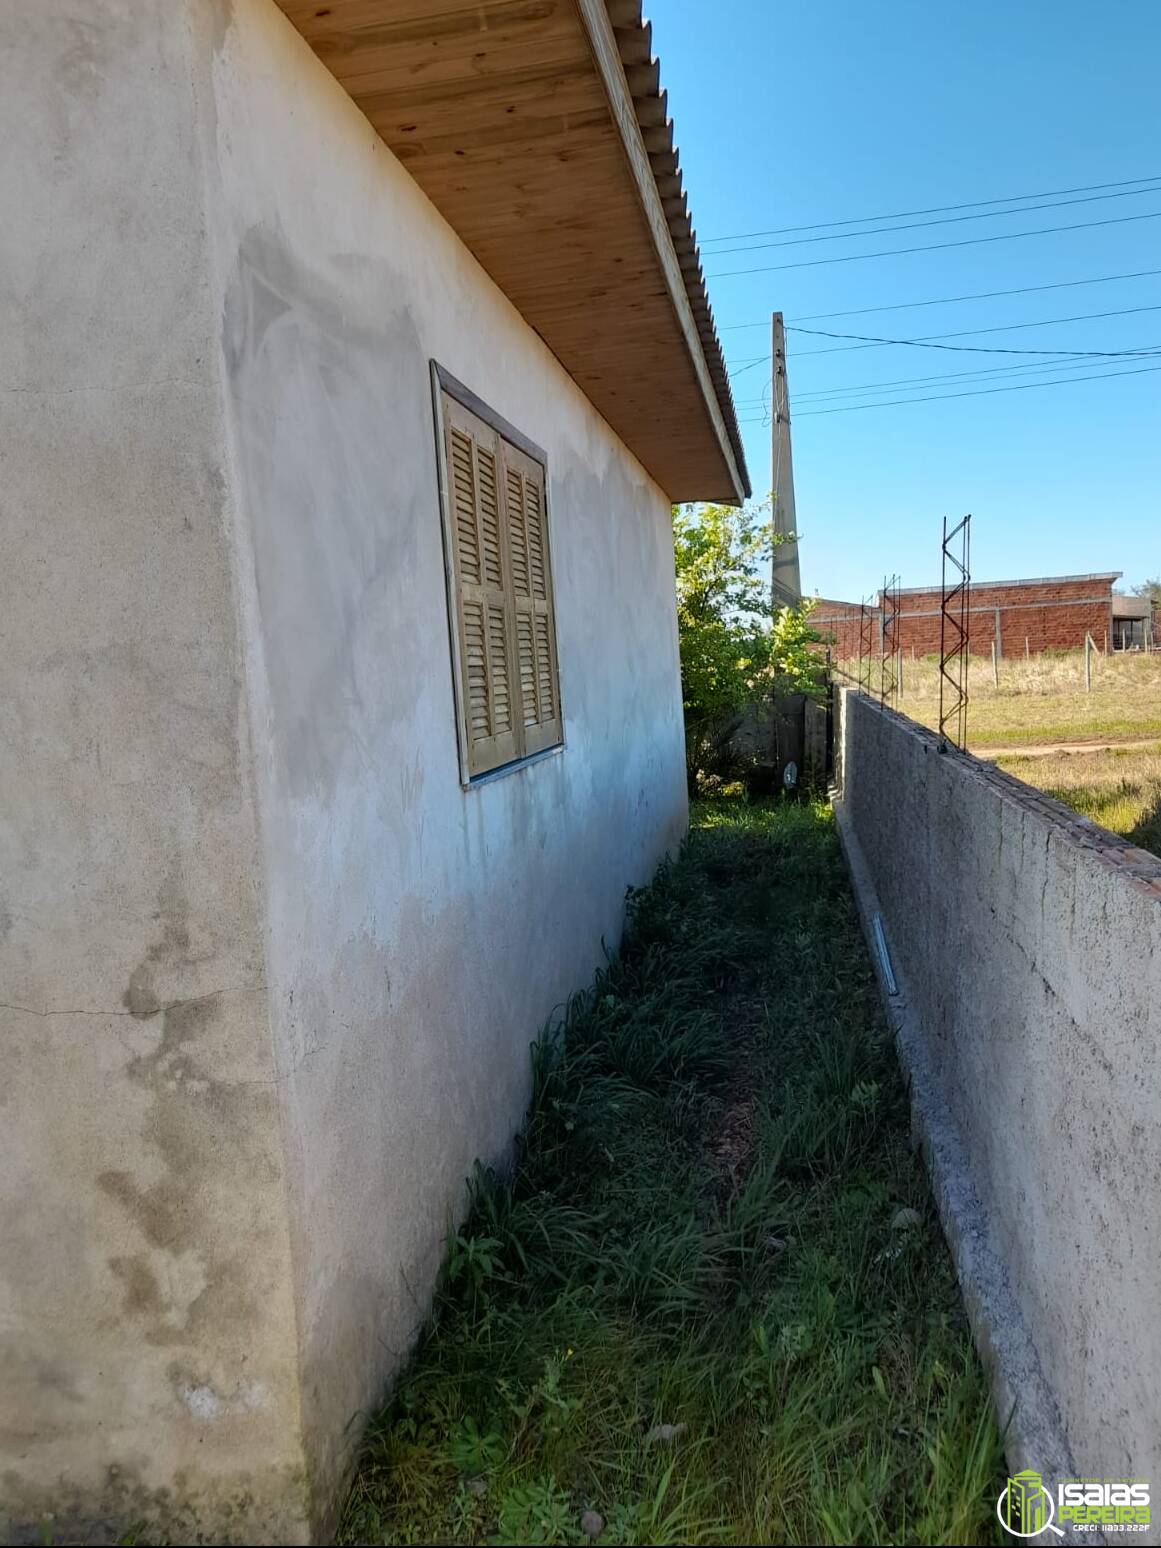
[822, 110]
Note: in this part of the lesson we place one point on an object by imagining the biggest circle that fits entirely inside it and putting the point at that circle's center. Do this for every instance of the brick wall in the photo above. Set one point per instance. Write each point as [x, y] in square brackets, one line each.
[1051, 614]
[839, 623]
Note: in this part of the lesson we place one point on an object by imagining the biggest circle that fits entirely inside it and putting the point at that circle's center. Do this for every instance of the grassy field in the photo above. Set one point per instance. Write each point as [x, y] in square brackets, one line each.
[1043, 700]
[1120, 788]
[712, 1302]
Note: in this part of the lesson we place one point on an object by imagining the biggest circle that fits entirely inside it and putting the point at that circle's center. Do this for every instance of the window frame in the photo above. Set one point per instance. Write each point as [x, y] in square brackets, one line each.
[443, 382]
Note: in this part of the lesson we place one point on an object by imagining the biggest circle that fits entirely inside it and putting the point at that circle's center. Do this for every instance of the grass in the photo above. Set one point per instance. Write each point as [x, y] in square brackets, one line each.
[1043, 699]
[711, 1301]
[1119, 787]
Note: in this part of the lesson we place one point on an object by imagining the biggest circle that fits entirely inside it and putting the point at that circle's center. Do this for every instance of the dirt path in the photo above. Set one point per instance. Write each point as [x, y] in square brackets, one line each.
[1047, 749]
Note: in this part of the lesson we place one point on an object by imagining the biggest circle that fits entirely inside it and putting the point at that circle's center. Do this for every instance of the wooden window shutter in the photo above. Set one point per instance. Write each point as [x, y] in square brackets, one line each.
[500, 583]
[489, 713]
[534, 626]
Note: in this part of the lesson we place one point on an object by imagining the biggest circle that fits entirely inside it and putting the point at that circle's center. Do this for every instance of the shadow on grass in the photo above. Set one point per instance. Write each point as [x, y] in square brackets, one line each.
[1130, 807]
[1146, 832]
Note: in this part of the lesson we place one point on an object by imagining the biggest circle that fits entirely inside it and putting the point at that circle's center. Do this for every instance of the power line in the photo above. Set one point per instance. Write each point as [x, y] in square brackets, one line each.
[1053, 356]
[851, 408]
[980, 349]
[984, 372]
[906, 381]
[981, 295]
[935, 247]
[964, 333]
[945, 220]
[936, 209]
[857, 388]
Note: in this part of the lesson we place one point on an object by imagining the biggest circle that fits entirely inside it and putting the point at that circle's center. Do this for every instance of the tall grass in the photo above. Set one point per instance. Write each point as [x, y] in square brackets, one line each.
[710, 1302]
[1119, 787]
[1043, 699]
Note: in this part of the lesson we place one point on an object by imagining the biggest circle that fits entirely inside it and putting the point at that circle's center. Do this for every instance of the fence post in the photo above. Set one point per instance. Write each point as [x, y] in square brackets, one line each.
[1087, 663]
[995, 665]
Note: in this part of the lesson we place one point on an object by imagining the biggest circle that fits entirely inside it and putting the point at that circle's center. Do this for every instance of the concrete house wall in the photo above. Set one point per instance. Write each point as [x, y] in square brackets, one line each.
[147, 1318]
[270, 971]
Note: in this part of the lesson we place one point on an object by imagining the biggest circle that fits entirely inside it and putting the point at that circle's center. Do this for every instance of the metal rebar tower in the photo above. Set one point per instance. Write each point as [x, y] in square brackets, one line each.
[889, 640]
[954, 634]
[866, 643]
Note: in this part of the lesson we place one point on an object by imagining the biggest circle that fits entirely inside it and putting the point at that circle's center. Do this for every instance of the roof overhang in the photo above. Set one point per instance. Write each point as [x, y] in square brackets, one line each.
[1132, 607]
[539, 131]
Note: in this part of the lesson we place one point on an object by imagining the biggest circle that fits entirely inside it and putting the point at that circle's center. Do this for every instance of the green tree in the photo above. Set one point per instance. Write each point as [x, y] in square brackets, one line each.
[798, 664]
[1150, 589]
[734, 647]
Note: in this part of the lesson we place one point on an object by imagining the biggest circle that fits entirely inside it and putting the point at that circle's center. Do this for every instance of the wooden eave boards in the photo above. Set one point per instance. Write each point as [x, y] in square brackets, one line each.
[538, 129]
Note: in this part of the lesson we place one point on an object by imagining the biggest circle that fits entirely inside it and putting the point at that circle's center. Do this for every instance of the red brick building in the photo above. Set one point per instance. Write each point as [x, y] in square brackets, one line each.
[1049, 613]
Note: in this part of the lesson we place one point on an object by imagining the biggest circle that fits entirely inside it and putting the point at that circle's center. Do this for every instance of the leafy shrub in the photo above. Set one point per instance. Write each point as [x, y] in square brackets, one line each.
[736, 649]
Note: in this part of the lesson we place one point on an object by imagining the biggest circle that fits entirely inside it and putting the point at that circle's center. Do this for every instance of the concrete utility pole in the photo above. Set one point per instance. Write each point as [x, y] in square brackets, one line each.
[787, 587]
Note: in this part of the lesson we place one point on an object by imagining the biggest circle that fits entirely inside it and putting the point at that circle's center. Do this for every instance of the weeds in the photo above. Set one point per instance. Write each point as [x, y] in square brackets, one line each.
[710, 1303]
[1118, 787]
[1043, 699]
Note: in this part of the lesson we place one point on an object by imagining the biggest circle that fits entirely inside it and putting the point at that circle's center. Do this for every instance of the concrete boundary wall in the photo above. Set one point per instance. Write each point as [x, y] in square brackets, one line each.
[1025, 945]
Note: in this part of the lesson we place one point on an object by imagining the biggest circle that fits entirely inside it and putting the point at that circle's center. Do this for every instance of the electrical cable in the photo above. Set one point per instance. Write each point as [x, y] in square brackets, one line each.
[1099, 376]
[964, 333]
[934, 247]
[945, 220]
[935, 209]
[978, 349]
[1029, 368]
[859, 389]
[981, 295]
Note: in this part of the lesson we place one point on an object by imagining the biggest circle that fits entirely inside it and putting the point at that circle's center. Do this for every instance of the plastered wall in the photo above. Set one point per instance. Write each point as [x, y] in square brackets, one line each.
[275, 970]
[1028, 944]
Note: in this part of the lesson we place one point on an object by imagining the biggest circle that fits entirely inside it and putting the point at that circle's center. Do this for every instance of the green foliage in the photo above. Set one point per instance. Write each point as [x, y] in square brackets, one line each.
[723, 614]
[797, 663]
[1150, 589]
[536, 1512]
[723, 553]
[472, 1453]
[734, 648]
[472, 1259]
[688, 1306]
